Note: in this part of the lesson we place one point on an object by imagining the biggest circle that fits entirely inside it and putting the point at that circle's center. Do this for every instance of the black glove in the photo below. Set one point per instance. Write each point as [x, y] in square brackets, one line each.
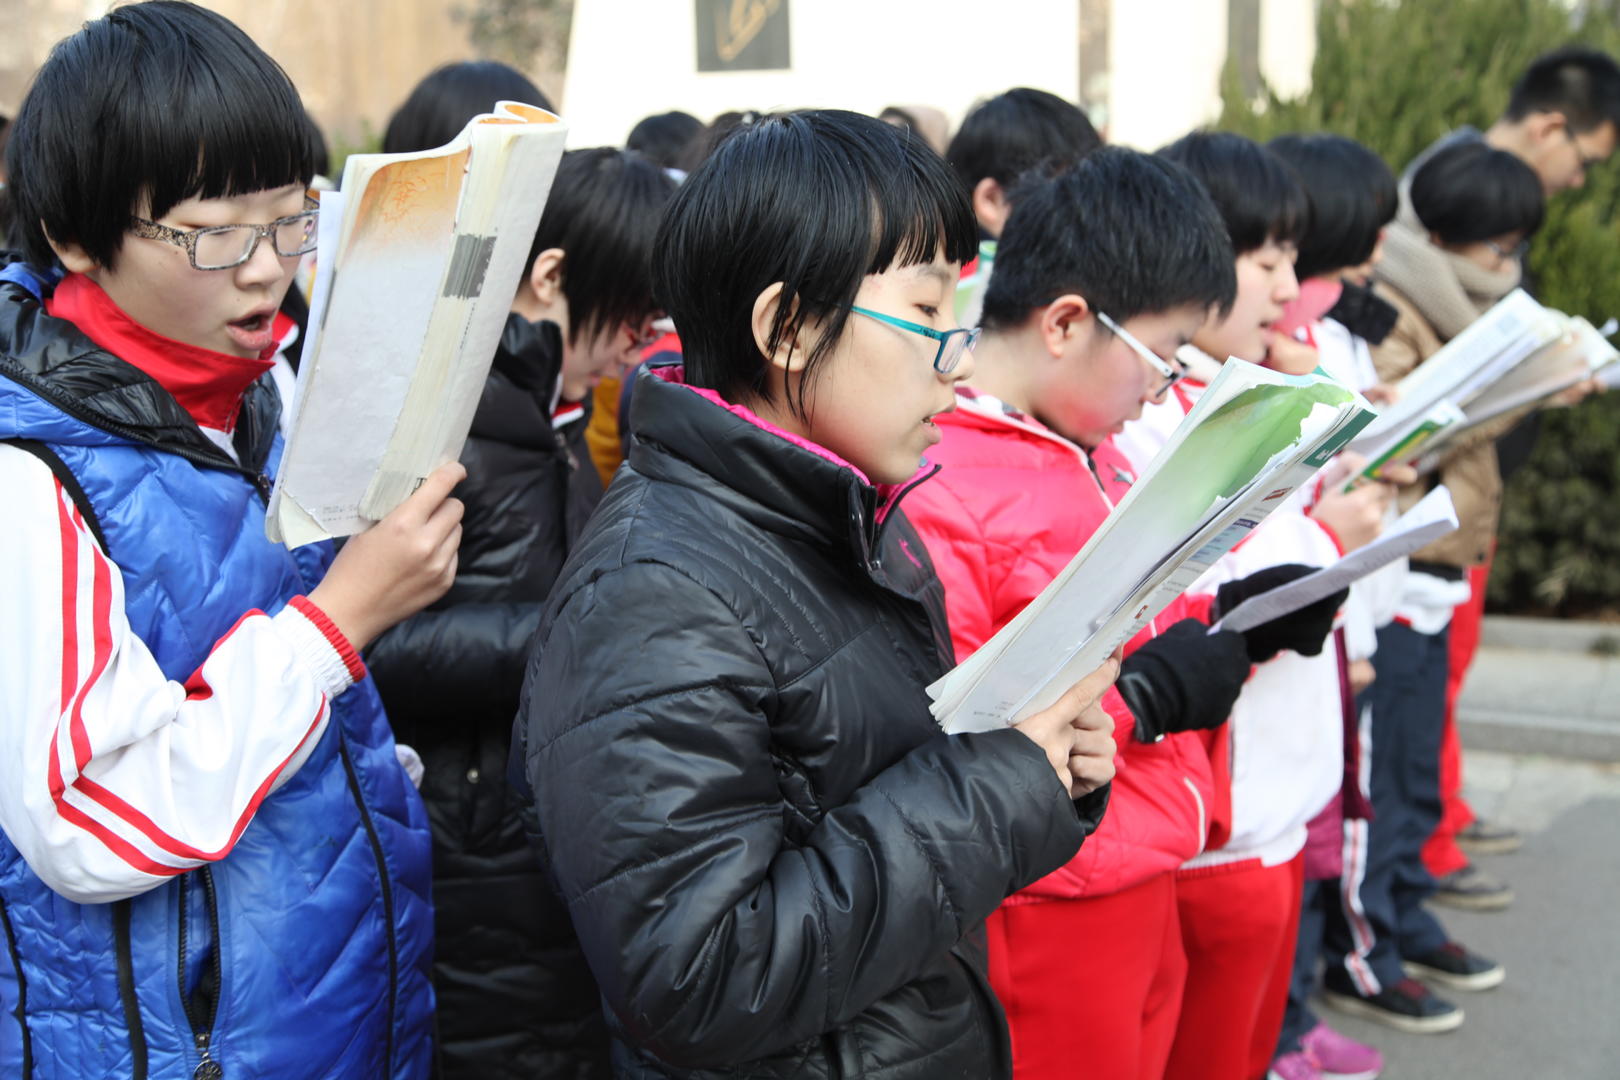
[1304, 631]
[1185, 679]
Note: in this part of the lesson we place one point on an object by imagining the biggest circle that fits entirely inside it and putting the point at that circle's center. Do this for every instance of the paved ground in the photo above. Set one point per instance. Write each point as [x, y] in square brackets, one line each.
[1557, 1017]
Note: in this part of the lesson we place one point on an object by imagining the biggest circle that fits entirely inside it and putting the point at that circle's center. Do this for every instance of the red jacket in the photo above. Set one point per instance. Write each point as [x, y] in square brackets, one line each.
[1011, 506]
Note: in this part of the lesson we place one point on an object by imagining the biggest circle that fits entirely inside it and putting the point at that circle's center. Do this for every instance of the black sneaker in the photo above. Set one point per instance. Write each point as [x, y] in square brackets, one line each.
[1472, 889]
[1407, 1006]
[1488, 838]
[1454, 966]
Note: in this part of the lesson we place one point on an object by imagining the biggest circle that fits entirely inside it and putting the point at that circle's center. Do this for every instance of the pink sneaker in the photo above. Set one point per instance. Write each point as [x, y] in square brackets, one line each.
[1295, 1066]
[1339, 1057]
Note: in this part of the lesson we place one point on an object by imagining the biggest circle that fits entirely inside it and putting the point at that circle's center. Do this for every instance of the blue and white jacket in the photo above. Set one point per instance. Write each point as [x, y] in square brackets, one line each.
[211, 862]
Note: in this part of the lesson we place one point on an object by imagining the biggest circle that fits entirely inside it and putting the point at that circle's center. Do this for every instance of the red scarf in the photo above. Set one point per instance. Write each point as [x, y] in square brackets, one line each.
[209, 385]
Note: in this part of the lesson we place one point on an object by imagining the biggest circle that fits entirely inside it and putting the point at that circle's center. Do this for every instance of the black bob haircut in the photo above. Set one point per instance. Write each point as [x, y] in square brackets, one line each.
[1011, 134]
[151, 104]
[1467, 192]
[663, 137]
[449, 96]
[1583, 84]
[1258, 195]
[1352, 196]
[1132, 233]
[604, 208]
[816, 200]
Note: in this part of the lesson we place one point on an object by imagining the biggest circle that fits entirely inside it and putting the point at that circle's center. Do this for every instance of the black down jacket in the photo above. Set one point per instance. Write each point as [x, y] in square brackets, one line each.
[776, 863]
[514, 995]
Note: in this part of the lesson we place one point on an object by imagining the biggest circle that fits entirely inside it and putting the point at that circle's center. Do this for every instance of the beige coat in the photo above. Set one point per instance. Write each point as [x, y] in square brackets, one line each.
[1469, 467]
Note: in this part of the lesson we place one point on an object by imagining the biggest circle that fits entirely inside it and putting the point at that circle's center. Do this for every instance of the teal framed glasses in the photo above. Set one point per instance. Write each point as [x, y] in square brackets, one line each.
[952, 343]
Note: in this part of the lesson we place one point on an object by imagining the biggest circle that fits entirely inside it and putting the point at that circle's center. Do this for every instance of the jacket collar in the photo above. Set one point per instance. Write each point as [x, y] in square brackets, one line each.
[785, 485]
[55, 361]
[207, 384]
[516, 406]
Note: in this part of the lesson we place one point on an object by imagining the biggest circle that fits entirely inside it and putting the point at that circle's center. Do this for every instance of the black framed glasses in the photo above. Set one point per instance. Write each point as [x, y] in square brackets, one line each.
[222, 247]
[1172, 371]
[953, 344]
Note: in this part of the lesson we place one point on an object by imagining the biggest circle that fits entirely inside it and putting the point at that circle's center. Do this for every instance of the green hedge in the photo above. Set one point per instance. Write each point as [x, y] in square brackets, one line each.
[1396, 74]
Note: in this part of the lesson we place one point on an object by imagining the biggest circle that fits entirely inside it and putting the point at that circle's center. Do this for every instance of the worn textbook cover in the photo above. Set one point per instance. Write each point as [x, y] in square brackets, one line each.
[418, 260]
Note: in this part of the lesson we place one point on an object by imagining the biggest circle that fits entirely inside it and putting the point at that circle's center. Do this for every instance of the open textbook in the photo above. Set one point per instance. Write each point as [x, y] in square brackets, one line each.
[1517, 353]
[1577, 354]
[419, 258]
[1254, 436]
[1432, 517]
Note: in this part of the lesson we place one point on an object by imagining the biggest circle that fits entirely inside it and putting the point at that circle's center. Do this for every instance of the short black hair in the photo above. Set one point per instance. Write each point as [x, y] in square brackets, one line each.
[1011, 134]
[449, 96]
[1257, 193]
[1352, 196]
[662, 138]
[604, 207]
[1583, 84]
[151, 104]
[1467, 192]
[1132, 233]
[816, 200]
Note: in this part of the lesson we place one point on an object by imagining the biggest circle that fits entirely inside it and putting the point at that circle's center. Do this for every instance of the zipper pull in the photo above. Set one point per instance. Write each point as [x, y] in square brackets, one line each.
[207, 1068]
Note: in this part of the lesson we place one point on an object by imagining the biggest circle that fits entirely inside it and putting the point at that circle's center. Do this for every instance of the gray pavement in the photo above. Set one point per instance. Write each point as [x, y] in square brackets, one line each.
[1545, 687]
[1557, 1017]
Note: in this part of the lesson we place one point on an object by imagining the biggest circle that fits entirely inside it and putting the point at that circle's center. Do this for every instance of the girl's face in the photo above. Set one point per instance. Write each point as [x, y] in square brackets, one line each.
[875, 396]
[1265, 285]
[227, 311]
[1496, 254]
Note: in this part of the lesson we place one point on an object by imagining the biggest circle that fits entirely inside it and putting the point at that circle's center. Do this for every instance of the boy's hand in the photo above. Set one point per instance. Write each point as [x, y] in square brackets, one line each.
[1077, 735]
[398, 566]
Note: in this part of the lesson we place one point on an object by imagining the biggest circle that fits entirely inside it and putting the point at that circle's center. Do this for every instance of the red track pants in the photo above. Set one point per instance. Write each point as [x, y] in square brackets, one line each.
[1239, 925]
[1441, 853]
[1091, 987]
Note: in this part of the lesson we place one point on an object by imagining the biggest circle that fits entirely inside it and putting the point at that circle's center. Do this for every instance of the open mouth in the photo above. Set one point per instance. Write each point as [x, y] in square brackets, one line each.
[254, 333]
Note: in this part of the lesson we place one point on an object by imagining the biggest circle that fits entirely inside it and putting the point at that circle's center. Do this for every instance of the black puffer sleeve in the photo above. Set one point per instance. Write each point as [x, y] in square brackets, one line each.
[714, 939]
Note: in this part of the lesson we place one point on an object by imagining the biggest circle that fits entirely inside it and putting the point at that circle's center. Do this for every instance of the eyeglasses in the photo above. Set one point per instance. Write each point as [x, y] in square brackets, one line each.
[1172, 372]
[643, 336]
[1516, 253]
[221, 247]
[952, 343]
[1583, 162]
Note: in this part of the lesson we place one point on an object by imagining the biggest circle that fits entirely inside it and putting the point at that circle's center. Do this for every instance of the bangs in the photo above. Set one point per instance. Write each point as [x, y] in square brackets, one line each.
[920, 215]
[228, 127]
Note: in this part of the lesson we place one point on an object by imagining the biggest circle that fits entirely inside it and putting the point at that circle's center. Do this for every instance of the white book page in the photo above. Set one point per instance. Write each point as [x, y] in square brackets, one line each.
[1433, 517]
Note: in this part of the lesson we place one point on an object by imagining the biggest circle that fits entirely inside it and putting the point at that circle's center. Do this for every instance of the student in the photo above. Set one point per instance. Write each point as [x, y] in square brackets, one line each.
[1562, 119]
[1239, 900]
[1133, 239]
[1265, 212]
[447, 97]
[775, 861]
[513, 991]
[1474, 206]
[1353, 198]
[663, 137]
[202, 816]
[1001, 140]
